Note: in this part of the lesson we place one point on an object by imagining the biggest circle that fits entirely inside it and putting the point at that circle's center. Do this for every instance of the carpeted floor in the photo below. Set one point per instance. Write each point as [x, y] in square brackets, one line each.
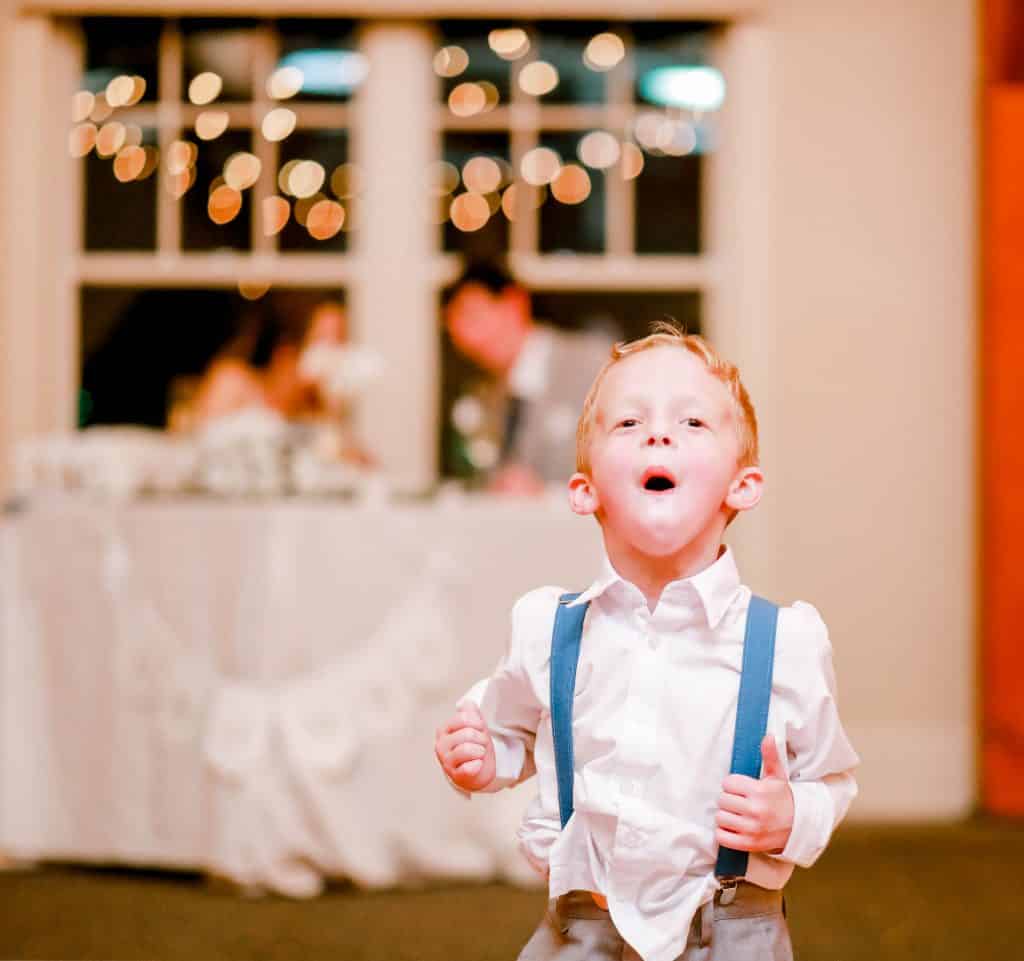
[949, 893]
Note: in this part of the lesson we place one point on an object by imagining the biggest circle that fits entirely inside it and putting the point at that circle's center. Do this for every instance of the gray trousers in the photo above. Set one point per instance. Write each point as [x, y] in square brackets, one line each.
[751, 928]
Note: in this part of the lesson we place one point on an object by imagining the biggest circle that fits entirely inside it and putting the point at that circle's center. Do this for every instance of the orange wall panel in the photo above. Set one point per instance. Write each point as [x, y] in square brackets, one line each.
[1002, 430]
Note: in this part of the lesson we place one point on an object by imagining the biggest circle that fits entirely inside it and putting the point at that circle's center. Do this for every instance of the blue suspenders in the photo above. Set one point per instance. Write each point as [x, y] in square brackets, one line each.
[751, 709]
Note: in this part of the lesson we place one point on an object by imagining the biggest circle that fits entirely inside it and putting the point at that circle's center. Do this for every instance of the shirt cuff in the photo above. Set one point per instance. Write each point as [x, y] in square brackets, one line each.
[811, 823]
[509, 758]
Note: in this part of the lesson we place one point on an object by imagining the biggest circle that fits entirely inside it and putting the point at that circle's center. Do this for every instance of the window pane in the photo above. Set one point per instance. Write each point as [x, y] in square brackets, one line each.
[134, 342]
[675, 78]
[483, 64]
[144, 349]
[199, 231]
[327, 53]
[623, 314]
[574, 223]
[328, 148]
[222, 47]
[668, 205]
[618, 315]
[121, 215]
[662, 54]
[491, 239]
[120, 45]
[562, 44]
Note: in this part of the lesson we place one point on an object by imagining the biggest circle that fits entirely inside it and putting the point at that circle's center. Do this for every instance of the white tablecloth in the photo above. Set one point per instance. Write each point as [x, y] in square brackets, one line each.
[252, 689]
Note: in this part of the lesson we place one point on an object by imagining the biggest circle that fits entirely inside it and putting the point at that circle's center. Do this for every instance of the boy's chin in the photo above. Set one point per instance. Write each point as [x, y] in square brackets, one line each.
[660, 543]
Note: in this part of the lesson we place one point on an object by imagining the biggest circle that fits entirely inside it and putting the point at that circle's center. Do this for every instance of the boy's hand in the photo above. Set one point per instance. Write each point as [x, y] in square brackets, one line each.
[757, 815]
[465, 750]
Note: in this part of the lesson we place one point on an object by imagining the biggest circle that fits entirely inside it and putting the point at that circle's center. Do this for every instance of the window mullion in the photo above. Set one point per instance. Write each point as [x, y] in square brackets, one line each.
[620, 195]
[392, 298]
[169, 117]
[524, 135]
[264, 60]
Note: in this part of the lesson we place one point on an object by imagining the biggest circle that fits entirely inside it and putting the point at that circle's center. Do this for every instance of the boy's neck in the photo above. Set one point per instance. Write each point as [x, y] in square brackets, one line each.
[652, 574]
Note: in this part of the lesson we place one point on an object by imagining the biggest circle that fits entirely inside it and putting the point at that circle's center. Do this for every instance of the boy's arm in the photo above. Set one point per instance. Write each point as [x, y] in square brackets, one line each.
[804, 791]
[509, 708]
[820, 758]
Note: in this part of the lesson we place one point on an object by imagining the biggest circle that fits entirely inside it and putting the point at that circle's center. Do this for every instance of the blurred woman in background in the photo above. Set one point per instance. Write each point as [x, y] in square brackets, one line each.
[261, 368]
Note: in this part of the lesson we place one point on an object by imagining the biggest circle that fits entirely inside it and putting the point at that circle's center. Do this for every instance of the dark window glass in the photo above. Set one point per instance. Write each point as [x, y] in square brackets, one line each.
[484, 63]
[624, 314]
[329, 148]
[199, 232]
[668, 205]
[668, 58]
[572, 227]
[326, 51]
[143, 350]
[658, 47]
[491, 240]
[223, 47]
[562, 44]
[119, 216]
[121, 45]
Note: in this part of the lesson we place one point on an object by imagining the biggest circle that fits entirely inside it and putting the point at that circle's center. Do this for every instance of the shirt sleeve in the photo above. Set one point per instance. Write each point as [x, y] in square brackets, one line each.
[508, 701]
[820, 758]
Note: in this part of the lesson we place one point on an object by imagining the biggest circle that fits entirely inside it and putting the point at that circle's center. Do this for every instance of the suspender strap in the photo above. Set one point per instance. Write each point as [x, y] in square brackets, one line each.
[565, 654]
[751, 711]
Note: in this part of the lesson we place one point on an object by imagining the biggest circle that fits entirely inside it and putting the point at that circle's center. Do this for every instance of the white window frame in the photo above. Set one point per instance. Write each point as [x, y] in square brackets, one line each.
[48, 266]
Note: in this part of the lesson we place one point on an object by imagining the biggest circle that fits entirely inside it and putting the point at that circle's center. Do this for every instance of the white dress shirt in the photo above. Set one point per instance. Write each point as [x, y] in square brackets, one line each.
[653, 723]
[530, 374]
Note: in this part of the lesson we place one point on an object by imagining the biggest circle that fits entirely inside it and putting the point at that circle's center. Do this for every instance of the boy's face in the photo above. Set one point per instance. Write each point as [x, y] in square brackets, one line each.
[664, 453]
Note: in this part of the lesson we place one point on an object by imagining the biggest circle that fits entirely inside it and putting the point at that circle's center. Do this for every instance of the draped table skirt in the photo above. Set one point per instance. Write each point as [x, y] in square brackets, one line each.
[251, 689]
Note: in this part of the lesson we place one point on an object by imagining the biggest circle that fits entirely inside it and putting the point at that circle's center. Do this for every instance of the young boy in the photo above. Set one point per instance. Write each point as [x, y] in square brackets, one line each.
[667, 457]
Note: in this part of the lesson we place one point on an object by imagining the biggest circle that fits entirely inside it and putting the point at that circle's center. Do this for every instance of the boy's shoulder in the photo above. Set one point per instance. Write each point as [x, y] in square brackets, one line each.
[538, 605]
[801, 618]
[802, 636]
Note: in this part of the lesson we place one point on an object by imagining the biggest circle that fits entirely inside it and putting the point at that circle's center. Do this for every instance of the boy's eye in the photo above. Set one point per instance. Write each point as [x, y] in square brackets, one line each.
[694, 422]
[628, 422]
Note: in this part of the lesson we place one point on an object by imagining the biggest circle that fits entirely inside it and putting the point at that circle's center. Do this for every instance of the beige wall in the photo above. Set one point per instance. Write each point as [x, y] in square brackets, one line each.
[866, 326]
[6, 13]
[873, 306]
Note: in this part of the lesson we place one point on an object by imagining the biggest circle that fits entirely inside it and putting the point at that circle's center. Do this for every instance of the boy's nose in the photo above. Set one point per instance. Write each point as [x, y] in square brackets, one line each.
[658, 439]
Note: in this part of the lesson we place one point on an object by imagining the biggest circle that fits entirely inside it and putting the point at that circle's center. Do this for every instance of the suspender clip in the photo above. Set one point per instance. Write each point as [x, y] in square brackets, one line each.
[728, 892]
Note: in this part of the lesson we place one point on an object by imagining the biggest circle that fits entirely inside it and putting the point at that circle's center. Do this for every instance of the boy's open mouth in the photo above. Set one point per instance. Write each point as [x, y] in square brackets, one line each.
[658, 479]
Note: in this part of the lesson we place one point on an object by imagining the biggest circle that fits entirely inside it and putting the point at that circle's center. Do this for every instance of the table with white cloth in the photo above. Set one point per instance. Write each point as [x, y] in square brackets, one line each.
[251, 688]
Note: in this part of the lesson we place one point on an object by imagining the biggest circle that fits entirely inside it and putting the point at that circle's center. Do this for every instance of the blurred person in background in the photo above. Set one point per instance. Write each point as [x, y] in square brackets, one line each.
[537, 377]
[261, 367]
[288, 366]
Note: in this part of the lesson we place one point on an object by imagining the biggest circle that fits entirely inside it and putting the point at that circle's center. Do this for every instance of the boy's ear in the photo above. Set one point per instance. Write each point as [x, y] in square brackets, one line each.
[582, 496]
[746, 489]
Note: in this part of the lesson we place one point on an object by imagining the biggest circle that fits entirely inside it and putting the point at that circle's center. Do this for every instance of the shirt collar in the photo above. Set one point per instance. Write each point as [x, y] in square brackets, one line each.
[715, 586]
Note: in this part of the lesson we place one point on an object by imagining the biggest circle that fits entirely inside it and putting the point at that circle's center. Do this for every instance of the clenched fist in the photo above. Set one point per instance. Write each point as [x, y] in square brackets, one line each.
[757, 815]
[465, 750]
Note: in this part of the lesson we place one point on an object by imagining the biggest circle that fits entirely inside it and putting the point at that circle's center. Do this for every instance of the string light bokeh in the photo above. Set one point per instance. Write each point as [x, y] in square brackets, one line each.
[321, 200]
